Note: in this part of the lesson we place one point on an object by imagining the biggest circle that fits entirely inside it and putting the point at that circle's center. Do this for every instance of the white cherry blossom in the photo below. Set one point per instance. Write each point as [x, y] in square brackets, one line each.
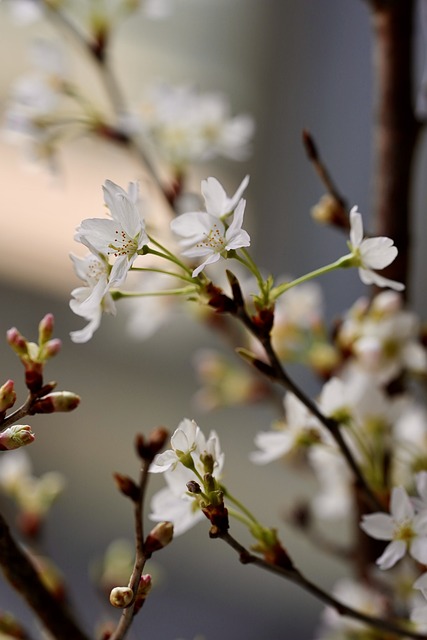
[186, 439]
[121, 236]
[180, 465]
[299, 431]
[187, 126]
[91, 300]
[371, 254]
[406, 530]
[202, 235]
[217, 202]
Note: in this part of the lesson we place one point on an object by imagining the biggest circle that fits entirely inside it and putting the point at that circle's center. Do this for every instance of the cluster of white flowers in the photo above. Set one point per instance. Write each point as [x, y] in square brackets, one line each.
[383, 338]
[36, 100]
[187, 126]
[114, 244]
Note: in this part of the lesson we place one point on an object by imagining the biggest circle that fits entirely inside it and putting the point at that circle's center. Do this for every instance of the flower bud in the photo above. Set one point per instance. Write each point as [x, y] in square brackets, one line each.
[121, 597]
[145, 585]
[17, 341]
[127, 486]
[156, 442]
[208, 462]
[160, 536]
[10, 627]
[7, 396]
[51, 577]
[57, 401]
[193, 487]
[50, 349]
[46, 328]
[14, 437]
[144, 589]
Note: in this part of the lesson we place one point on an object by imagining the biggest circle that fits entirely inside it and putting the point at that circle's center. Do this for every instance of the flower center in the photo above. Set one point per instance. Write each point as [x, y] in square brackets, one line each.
[123, 245]
[95, 270]
[213, 240]
[404, 531]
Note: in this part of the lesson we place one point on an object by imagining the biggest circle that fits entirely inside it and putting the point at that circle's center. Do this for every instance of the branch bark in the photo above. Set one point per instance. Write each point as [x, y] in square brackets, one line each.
[396, 127]
[21, 574]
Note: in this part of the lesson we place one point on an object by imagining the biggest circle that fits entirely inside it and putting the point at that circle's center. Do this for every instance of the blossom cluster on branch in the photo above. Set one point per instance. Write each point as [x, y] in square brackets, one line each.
[363, 436]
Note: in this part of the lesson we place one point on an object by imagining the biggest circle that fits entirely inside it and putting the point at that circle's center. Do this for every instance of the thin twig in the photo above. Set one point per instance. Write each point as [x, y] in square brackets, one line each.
[296, 577]
[112, 89]
[321, 169]
[19, 413]
[277, 373]
[140, 557]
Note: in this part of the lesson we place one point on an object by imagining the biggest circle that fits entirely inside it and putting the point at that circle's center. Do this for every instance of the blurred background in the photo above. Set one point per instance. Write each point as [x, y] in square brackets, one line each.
[293, 64]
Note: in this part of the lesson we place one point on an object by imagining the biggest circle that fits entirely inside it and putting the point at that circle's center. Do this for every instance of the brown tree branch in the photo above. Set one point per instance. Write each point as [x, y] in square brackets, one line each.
[396, 127]
[140, 556]
[294, 575]
[23, 577]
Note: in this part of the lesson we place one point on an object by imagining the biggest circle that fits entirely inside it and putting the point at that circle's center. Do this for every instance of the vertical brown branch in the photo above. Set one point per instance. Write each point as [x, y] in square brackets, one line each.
[395, 127]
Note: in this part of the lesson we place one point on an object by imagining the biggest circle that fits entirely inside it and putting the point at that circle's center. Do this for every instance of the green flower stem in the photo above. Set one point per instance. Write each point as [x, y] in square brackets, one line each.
[249, 263]
[241, 507]
[166, 254]
[165, 272]
[342, 263]
[240, 517]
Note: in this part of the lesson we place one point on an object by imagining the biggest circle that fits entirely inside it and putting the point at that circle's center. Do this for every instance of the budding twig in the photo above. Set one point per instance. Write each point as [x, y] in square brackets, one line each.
[292, 574]
[275, 371]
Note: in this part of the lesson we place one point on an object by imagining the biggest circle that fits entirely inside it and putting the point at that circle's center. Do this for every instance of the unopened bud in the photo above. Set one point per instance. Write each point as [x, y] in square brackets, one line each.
[15, 437]
[10, 627]
[57, 401]
[17, 341]
[147, 450]
[7, 396]
[193, 487]
[208, 462]
[159, 537]
[144, 586]
[46, 328]
[127, 486]
[51, 577]
[50, 349]
[121, 597]
[144, 589]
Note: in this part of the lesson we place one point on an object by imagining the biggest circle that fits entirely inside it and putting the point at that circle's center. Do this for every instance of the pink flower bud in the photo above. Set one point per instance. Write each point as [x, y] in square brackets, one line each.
[56, 401]
[50, 349]
[17, 342]
[46, 328]
[17, 436]
[7, 395]
[144, 589]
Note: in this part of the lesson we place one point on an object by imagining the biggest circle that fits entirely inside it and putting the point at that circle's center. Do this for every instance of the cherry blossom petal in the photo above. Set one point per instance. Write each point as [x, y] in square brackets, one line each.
[378, 525]
[392, 554]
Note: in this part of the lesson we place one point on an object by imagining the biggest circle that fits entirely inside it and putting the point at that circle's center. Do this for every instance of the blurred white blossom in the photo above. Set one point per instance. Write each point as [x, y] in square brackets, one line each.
[187, 126]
